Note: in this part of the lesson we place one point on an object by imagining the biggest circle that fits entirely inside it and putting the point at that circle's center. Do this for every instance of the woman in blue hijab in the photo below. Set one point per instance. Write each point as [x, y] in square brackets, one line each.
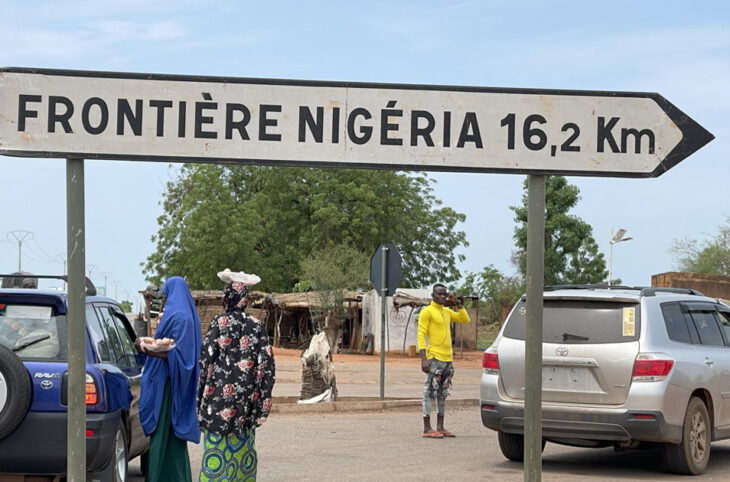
[169, 387]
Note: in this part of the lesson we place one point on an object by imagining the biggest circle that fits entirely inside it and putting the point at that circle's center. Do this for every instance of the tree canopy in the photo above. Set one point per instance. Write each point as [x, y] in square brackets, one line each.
[266, 220]
[500, 292]
[571, 253]
[709, 257]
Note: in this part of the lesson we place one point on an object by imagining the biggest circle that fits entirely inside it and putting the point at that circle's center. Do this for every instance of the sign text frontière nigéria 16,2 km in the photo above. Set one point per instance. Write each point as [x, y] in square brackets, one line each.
[102, 115]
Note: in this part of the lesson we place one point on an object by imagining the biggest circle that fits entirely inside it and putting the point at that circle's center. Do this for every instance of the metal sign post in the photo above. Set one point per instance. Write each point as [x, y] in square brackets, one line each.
[383, 317]
[76, 320]
[385, 271]
[533, 337]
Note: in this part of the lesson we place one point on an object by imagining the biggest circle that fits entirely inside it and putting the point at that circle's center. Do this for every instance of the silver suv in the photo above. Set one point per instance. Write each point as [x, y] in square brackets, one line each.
[621, 367]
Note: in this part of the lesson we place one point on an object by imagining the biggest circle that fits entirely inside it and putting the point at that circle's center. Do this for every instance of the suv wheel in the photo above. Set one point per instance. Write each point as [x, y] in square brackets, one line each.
[513, 445]
[120, 455]
[15, 391]
[691, 455]
[116, 469]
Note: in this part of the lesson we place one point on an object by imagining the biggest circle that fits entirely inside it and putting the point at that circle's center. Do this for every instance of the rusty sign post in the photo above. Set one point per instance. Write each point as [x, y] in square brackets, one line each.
[174, 118]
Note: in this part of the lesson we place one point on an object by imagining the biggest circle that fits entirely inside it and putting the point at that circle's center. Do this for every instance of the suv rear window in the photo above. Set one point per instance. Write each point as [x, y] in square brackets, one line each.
[33, 331]
[580, 322]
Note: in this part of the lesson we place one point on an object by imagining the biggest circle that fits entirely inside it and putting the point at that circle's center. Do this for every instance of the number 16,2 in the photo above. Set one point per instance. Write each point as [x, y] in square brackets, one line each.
[535, 138]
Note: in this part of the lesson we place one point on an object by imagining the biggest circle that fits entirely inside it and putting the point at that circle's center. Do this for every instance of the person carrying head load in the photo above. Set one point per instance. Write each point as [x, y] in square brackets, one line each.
[236, 381]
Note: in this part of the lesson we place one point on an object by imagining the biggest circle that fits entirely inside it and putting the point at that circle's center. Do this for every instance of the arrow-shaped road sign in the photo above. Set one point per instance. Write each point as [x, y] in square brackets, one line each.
[173, 118]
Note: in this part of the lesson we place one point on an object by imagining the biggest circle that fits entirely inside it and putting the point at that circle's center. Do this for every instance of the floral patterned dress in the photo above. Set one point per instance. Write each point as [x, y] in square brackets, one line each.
[234, 392]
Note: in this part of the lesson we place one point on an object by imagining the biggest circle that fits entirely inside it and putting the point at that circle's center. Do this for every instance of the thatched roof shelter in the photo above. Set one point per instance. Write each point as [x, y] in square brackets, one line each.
[307, 300]
[287, 316]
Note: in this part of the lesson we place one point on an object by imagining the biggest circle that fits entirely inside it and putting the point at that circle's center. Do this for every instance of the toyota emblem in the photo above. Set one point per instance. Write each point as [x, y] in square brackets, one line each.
[561, 351]
[46, 384]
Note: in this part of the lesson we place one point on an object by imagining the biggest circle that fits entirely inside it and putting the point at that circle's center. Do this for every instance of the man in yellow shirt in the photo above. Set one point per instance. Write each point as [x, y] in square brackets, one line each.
[434, 322]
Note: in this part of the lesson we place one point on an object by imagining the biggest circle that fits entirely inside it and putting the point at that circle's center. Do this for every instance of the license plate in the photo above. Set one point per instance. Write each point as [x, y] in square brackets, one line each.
[566, 378]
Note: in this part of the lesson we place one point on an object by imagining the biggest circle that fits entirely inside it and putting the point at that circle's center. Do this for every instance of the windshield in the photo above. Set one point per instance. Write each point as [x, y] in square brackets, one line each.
[580, 322]
[33, 332]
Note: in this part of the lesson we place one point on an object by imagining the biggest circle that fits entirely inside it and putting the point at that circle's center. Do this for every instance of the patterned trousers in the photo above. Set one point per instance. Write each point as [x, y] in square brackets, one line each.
[436, 387]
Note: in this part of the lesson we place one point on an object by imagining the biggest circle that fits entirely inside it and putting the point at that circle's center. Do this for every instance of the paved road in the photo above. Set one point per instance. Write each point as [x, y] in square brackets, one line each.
[388, 446]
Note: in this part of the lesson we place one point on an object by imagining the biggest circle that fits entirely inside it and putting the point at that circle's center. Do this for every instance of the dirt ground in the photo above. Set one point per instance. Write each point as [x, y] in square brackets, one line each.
[359, 375]
[468, 359]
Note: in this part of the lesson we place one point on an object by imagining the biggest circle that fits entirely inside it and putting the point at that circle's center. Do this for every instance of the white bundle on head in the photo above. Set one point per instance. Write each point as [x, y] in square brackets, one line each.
[228, 276]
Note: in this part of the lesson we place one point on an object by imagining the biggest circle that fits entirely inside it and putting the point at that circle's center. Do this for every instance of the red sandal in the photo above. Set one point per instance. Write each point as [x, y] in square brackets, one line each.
[433, 434]
[446, 433]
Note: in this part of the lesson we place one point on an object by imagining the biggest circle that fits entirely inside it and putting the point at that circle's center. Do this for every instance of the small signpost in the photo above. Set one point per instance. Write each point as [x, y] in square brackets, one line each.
[385, 271]
[81, 115]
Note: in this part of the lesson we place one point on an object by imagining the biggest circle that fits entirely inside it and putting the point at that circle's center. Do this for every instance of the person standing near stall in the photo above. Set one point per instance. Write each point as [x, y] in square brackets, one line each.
[169, 386]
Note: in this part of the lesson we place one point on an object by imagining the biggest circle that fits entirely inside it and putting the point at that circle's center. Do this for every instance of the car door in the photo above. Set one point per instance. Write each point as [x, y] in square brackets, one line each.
[723, 316]
[130, 361]
[716, 356]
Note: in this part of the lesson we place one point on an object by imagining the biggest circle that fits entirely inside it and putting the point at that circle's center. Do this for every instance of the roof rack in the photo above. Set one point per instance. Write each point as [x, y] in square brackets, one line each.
[90, 288]
[643, 291]
[590, 287]
[683, 291]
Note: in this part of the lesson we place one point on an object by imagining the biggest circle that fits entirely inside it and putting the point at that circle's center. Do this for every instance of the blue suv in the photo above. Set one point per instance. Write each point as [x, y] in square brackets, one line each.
[34, 384]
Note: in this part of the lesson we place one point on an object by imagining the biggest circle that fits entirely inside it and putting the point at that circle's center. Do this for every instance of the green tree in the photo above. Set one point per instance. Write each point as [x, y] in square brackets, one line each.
[709, 257]
[266, 220]
[330, 272]
[126, 306]
[498, 291]
[571, 253]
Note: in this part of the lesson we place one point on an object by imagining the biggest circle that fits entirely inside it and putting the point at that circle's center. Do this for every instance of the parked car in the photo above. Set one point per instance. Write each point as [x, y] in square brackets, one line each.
[34, 385]
[621, 367]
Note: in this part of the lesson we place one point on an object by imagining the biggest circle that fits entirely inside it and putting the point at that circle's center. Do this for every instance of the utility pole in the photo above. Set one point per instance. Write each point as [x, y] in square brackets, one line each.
[62, 257]
[90, 268]
[106, 274]
[20, 236]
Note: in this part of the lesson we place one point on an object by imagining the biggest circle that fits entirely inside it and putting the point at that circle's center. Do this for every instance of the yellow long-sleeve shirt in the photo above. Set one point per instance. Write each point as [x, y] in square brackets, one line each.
[434, 322]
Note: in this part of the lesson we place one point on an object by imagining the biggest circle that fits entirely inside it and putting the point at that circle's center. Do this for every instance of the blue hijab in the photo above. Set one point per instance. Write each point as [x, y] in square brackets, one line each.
[181, 323]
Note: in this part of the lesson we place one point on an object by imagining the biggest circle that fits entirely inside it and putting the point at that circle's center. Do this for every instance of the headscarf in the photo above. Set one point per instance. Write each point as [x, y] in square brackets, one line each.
[235, 296]
[236, 369]
[181, 323]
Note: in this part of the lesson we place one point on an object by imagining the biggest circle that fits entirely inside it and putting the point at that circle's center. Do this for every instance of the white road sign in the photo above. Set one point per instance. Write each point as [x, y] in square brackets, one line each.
[105, 115]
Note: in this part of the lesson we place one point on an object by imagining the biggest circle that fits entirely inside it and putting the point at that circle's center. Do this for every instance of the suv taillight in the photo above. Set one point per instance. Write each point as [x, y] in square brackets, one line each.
[651, 368]
[490, 363]
[92, 392]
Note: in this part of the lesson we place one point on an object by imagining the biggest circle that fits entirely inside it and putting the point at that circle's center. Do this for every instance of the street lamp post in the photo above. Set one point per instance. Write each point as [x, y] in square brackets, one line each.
[615, 238]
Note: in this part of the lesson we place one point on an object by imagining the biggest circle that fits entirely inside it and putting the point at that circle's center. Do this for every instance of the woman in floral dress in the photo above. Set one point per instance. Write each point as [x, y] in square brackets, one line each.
[236, 380]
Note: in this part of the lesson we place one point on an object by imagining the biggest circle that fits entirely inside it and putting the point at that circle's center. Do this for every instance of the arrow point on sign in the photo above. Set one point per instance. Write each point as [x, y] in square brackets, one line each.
[694, 136]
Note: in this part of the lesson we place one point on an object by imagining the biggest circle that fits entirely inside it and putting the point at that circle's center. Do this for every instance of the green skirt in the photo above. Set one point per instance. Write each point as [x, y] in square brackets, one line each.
[168, 456]
[229, 458]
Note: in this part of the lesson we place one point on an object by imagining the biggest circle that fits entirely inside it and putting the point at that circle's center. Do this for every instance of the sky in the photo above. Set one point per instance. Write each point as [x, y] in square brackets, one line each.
[679, 49]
